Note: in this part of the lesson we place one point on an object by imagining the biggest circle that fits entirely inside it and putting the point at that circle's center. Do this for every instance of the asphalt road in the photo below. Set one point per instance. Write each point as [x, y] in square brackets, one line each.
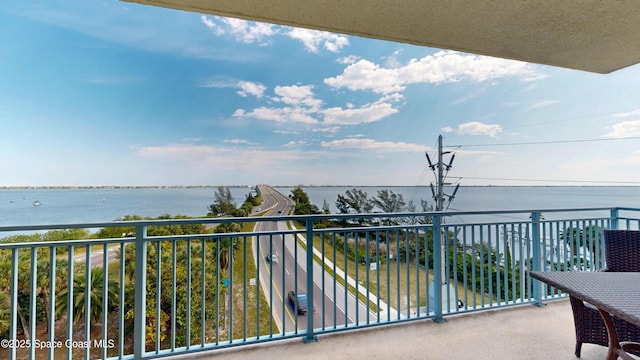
[97, 257]
[287, 274]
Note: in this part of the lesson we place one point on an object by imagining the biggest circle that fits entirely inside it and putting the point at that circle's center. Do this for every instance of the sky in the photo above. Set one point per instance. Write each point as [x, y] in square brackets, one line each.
[101, 93]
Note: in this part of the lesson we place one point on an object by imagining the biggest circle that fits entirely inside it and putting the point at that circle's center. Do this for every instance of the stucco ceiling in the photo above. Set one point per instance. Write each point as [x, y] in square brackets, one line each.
[598, 36]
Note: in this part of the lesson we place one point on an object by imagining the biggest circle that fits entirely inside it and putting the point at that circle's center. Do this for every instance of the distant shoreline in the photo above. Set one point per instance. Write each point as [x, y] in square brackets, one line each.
[120, 187]
[68, 187]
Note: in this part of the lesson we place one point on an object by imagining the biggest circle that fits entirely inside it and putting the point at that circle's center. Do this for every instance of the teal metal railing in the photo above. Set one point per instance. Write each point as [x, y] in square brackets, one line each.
[168, 287]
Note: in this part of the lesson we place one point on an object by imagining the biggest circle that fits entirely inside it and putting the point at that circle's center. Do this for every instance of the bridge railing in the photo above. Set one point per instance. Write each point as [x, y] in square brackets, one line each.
[167, 287]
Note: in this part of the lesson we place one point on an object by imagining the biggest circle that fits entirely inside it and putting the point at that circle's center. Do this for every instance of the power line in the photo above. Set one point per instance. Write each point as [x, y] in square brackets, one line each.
[422, 177]
[552, 181]
[425, 170]
[547, 142]
[555, 121]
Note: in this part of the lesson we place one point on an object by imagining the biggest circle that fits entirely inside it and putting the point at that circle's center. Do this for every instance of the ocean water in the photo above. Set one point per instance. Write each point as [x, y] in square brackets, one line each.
[63, 206]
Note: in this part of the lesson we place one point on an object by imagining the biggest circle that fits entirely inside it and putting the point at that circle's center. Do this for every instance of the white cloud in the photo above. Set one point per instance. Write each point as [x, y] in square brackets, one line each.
[475, 128]
[394, 97]
[293, 143]
[313, 39]
[392, 60]
[246, 88]
[304, 107]
[350, 59]
[442, 67]
[242, 30]
[258, 32]
[331, 129]
[297, 95]
[365, 75]
[251, 88]
[352, 116]
[240, 142]
[628, 113]
[249, 32]
[285, 132]
[218, 30]
[370, 144]
[282, 115]
[625, 129]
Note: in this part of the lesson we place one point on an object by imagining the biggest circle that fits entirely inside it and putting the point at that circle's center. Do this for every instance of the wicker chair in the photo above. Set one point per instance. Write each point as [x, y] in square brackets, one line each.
[622, 254]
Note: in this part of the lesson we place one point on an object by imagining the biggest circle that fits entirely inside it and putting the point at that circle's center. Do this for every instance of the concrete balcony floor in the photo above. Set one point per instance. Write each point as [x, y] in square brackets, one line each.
[519, 332]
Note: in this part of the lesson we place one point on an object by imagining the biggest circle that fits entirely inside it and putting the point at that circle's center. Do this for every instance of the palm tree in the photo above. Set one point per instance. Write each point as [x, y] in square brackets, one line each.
[96, 296]
[42, 287]
[228, 246]
[44, 281]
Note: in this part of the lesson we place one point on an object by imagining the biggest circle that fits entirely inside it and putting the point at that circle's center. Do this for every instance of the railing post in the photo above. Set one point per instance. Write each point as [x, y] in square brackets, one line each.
[140, 310]
[615, 219]
[437, 267]
[13, 324]
[310, 335]
[32, 301]
[537, 256]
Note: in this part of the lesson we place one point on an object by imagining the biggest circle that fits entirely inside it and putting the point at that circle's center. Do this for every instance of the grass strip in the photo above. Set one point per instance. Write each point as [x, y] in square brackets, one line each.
[341, 280]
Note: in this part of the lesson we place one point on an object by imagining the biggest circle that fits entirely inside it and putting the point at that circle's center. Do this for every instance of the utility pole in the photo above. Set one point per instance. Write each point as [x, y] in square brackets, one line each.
[440, 181]
[441, 170]
[441, 174]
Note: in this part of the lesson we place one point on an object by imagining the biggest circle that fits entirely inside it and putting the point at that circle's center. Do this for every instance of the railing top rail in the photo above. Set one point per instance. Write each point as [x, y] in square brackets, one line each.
[447, 213]
[223, 235]
[627, 209]
[122, 223]
[63, 243]
[133, 223]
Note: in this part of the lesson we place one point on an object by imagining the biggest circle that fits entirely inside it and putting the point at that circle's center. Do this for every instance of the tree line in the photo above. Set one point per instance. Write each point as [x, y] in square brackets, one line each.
[479, 265]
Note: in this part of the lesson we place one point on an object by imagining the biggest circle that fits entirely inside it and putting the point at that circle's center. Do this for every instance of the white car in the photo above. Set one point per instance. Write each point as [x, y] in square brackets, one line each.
[272, 258]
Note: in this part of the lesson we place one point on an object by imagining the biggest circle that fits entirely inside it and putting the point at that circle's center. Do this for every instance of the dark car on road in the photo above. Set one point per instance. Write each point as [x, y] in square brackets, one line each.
[272, 258]
[299, 302]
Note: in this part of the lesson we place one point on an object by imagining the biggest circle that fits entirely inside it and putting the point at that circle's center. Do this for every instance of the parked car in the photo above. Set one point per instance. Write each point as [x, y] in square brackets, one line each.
[299, 302]
[272, 258]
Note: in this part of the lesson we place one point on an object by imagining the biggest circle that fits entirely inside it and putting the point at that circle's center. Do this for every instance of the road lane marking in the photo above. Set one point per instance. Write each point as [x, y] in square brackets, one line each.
[275, 287]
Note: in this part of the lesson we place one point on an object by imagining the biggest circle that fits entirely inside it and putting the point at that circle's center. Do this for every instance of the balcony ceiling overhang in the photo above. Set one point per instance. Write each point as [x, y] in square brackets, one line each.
[591, 35]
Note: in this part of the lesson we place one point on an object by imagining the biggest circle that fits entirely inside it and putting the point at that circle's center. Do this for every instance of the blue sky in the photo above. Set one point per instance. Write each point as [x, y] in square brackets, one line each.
[113, 93]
